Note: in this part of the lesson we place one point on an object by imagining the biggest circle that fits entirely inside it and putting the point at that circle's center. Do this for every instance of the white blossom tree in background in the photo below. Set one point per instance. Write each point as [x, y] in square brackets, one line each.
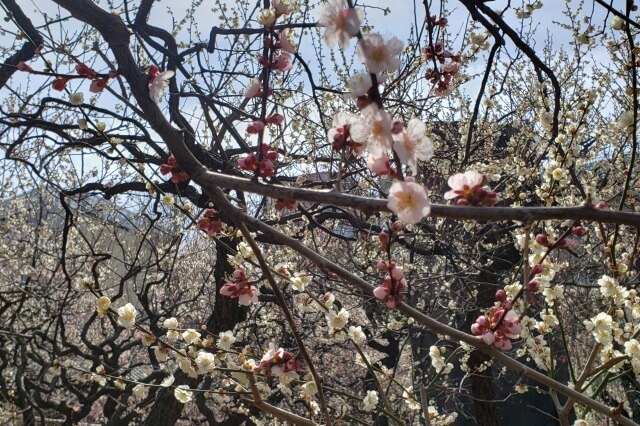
[334, 212]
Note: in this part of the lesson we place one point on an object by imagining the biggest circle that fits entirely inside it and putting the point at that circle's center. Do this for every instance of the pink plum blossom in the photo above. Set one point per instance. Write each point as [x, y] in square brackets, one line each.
[347, 132]
[281, 7]
[241, 289]
[413, 144]
[98, 85]
[394, 286]
[279, 363]
[59, 84]
[470, 187]
[498, 327]
[341, 23]
[409, 201]
[282, 63]
[380, 55]
[284, 43]
[380, 166]
[209, 223]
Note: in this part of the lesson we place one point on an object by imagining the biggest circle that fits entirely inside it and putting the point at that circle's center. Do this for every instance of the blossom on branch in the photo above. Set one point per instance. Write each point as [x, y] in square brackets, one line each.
[409, 200]
[171, 166]
[158, 81]
[210, 223]
[127, 315]
[341, 23]
[498, 327]
[241, 289]
[470, 185]
[380, 55]
[412, 144]
[393, 288]
[279, 363]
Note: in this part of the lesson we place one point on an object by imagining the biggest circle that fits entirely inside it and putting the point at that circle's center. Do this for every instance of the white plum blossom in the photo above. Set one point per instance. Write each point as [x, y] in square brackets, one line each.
[183, 394]
[267, 17]
[380, 55]
[76, 98]
[632, 349]
[161, 354]
[370, 401]
[226, 339]
[357, 335]
[412, 144]
[186, 365]
[139, 391]
[127, 315]
[102, 306]
[338, 321]
[300, 282]
[617, 23]
[309, 388]
[171, 323]
[341, 23]
[601, 326]
[409, 201]
[205, 362]
[625, 121]
[190, 335]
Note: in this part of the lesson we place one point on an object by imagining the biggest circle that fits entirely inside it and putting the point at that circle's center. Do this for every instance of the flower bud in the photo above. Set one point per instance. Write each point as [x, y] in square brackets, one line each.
[384, 240]
[535, 269]
[397, 226]
[542, 240]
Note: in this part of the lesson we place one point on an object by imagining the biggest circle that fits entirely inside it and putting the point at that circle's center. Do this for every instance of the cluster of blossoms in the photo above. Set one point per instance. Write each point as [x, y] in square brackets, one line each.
[564, 242]
[98, 81]
[470, 187]
[246, 293]
[437, 360]
[286, 204]
[394, 286]
[449, 63]
[177, 174]
[262, 164]
[210, 223]
[279, 363]
[375, 131]
[499, 325]
[603, 328]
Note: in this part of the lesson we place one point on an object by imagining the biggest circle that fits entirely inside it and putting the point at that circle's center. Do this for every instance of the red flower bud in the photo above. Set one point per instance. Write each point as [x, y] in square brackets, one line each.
[98, 85]
[542, 240]
[397, 226]
[276, 119]
[23, 66]
[384, 240]
[59, 84]
[501, 296]
[579, 231]
[535, 269]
